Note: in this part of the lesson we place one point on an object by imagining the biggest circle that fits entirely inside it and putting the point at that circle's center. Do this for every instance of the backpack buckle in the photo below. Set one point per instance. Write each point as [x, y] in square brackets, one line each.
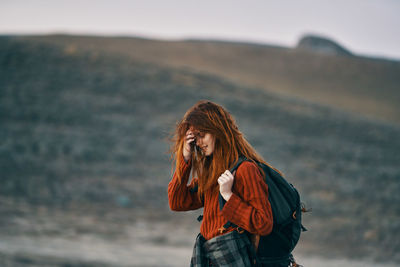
[240, 230]
[221, 230]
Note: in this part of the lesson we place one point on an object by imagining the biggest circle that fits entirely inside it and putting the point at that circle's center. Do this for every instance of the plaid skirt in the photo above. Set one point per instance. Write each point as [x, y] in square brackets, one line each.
[231, 249]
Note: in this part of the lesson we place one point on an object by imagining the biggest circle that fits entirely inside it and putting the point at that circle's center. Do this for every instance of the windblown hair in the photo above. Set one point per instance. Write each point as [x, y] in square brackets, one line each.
[208, 117]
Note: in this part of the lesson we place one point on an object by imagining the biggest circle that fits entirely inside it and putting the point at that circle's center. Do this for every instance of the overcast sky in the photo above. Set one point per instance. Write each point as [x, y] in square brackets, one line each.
[370, 27]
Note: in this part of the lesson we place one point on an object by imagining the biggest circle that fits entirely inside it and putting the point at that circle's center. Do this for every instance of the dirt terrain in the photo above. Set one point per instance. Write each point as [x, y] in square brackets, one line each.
[61, 238]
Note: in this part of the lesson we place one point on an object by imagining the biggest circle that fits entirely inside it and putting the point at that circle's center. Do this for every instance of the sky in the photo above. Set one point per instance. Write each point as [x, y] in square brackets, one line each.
[365, 27]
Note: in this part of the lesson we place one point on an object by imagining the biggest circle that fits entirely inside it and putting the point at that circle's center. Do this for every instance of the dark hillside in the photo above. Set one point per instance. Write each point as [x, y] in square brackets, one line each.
[362, 85]
[84, 128]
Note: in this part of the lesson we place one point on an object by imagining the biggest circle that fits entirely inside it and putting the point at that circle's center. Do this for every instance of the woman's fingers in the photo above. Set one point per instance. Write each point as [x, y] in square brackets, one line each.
[222, 179]
[228, 173]
[189, 140]
[189, 132]
[225, 177]
[187, 149]
[225, 182]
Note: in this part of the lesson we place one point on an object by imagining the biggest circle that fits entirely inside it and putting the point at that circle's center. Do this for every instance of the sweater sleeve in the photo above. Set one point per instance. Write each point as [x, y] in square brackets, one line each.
[248, 206]
[179, 195]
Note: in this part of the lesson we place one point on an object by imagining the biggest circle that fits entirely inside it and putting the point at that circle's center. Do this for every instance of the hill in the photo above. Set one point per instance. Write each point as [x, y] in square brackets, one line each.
[362, 85]
[322, 45]
[83, 134]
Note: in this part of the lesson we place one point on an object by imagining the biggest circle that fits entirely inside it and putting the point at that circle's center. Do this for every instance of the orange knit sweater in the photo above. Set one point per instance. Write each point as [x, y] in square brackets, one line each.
[248, 206]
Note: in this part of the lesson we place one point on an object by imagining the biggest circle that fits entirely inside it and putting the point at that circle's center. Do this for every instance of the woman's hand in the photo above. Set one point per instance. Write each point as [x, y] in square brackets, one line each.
[187, 147]
[225, 182]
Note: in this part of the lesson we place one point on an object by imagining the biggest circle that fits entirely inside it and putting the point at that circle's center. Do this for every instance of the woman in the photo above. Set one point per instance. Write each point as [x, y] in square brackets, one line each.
[207, 142]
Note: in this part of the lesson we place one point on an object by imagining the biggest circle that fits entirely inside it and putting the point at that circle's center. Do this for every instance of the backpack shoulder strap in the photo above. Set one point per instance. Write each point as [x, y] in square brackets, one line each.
[240, 160]
[221, 200]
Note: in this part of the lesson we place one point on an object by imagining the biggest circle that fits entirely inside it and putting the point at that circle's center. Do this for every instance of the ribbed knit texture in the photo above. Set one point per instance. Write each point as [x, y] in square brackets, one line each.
[248, 206]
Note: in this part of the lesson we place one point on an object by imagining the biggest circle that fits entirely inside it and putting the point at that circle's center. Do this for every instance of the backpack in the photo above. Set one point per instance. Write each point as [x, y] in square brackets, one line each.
[286, 210]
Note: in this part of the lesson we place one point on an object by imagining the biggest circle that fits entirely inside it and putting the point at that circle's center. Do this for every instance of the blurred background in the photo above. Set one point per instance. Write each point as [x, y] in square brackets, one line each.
[91, 91]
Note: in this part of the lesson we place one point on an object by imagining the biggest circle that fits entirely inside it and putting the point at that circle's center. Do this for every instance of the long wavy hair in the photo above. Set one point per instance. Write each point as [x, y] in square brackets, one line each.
[208, 117]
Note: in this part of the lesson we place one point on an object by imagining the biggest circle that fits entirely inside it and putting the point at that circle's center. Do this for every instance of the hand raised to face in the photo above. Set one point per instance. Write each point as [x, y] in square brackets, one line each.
[187, 147]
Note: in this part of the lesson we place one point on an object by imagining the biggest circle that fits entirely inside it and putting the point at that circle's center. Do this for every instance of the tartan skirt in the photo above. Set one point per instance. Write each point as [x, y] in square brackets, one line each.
[231, 249]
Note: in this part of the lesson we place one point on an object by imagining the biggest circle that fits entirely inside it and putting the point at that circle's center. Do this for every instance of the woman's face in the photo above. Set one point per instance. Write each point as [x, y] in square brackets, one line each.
[206, 142]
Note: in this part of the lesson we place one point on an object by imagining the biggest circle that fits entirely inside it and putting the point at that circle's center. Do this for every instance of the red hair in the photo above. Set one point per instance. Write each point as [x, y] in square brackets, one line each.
[208, 117]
